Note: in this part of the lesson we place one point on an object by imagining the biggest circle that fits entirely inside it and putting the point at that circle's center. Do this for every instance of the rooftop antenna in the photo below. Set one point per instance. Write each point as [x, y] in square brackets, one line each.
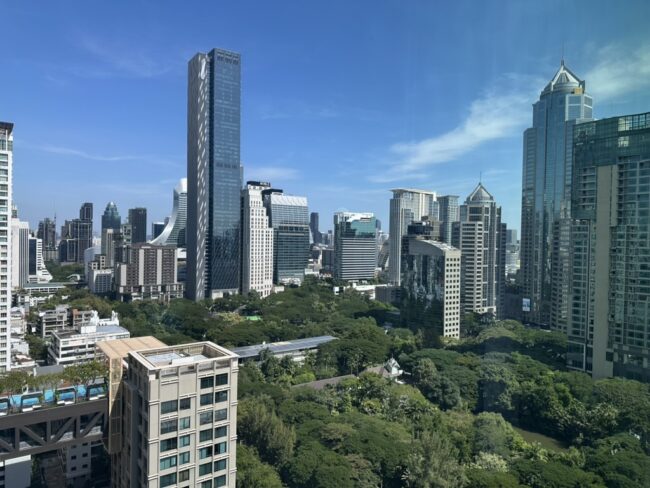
[480, 176]
[562, 59]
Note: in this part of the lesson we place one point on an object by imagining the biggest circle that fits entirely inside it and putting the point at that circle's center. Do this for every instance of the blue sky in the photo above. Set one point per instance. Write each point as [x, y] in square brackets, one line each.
[341, 100]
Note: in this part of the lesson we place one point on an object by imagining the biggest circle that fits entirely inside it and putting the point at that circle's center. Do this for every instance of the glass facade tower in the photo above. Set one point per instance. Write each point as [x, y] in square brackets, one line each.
[355, 246]
[609, 330]
[289, 217]
[111, 218]
[546, 196]
[214, 174]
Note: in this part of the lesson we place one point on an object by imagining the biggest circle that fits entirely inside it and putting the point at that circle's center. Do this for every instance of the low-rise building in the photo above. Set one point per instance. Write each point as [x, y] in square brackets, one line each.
[50, 321]
[79, 345]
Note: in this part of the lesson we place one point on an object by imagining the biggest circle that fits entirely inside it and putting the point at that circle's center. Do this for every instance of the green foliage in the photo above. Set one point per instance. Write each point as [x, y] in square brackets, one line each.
[60, 272]
[37, 347]
[252, 472]
[433, 463]
[258, 426]
[538, 474]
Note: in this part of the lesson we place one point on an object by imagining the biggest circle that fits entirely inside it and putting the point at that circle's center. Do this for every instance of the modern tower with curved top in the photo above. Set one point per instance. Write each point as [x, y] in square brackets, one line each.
[174, 232]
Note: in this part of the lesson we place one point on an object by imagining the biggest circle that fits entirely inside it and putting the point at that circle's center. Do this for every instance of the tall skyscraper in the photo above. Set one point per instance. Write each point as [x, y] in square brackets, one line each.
[355, 246]
[38, 273]
[449, 213]
[316, 236]
[47, 232]
[111, 218]
[431, 276]
[175, 229]
[214, 174]
[609, 328]
[406, 206]
[86, 212]
[257, 241]
[546, 198]
[480, 236]
[77, 236]
[19, 253]
[290, 221]
[6, 179]
[138, 221]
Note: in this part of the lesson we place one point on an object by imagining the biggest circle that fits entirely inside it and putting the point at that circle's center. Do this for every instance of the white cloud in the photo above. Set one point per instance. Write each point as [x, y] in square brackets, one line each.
[77, 153]
[490, 117]
[619, 71]
[121, 60]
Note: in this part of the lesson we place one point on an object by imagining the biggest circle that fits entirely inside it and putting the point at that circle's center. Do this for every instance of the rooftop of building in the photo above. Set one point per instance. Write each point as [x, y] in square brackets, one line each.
[120, 348]
[37, 286]
[564, 78]
[480, 195]
[182, 355]
[413, 190]
[87, 332]
[8, 126]
[282, 347]
[443, 246]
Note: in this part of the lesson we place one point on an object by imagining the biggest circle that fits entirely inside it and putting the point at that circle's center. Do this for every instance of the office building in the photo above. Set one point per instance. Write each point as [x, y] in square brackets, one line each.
[38, 273]
[47, 232]
[100, 280]
[6, 172]
[546, 198]
[138, 221]
[147, 273]
[19, 253]
[173, 233]
[448, 214]
[175, 415]
[111, 218]
[257, 241]
[214, 175]
[79, 345]
[355, 246]
[406, 206]
[77, 236]
[316, 236]
[609, 328]
[289, 218]
[480, 236]
[157, 228]
[431, 279]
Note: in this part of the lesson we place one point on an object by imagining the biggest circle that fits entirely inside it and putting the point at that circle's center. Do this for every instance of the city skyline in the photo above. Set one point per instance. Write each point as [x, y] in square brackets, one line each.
[433, 125]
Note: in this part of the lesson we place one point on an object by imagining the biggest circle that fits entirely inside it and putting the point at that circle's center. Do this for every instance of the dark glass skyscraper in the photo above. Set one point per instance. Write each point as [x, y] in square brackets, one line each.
[546, 198]
[316, 236]
[289, 218]
[111, 218]
[214, 174]
[138, 221]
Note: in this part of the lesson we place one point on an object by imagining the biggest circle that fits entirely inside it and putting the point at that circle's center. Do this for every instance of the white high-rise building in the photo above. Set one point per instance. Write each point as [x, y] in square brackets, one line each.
[480, 236]
[257, 241]
[19, 253]
[406, 206]
[38, 273]
[6, 165]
